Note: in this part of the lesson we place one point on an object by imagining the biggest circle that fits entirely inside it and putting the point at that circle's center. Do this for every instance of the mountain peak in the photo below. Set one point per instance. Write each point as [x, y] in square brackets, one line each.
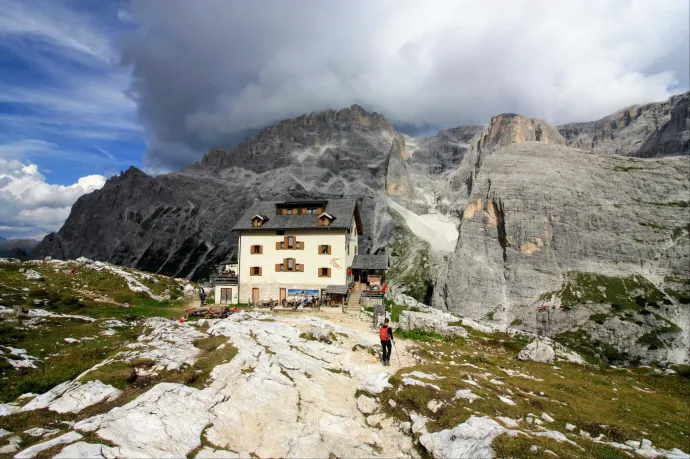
[510, 128]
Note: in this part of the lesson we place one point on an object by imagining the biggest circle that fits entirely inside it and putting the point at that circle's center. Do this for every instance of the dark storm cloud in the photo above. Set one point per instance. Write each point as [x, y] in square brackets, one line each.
[208, 74]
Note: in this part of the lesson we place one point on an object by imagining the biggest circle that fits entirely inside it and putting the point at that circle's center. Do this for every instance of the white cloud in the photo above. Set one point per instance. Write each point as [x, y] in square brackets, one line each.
[29, 206]
[56, 25]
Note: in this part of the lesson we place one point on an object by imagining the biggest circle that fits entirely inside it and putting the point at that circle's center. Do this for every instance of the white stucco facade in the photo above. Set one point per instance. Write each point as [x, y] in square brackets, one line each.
[271, 280]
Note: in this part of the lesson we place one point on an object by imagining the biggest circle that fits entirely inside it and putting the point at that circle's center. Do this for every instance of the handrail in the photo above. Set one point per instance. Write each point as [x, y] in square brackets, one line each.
[225, 279]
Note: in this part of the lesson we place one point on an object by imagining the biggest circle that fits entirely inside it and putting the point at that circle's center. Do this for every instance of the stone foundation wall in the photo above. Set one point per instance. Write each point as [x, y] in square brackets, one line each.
[368, 302]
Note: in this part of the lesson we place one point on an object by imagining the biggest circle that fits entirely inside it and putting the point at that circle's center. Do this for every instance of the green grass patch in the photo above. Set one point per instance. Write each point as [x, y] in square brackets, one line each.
[418, 335]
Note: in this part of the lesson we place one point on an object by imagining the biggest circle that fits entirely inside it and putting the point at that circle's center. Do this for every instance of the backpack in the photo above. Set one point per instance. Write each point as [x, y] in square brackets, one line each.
[383, 333]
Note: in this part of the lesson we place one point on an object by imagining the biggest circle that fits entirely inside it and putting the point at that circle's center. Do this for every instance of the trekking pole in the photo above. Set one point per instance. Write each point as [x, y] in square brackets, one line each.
[396, 352]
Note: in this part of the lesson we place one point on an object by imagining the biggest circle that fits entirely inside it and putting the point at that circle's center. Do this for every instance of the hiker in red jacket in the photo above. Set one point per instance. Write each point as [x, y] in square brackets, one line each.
[386, 335]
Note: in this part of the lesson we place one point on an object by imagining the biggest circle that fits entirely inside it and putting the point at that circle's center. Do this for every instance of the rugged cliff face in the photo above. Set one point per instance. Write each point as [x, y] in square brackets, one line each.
[647, 131]
[562, 241]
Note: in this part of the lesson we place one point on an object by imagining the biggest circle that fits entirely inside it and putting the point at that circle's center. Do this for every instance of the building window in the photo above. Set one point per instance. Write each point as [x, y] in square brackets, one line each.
[324, 272]
[256, 249]
[324, 249]
[289, 265]
[289, 243]
[256, 222]
[255, 271]
[289, 211]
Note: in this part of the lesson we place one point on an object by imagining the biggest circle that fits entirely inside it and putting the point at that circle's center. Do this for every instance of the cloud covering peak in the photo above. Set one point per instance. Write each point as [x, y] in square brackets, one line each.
[209, 75]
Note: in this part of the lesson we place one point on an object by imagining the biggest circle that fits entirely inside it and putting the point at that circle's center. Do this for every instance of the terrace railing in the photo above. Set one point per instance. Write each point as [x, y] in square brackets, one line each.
[225, 280]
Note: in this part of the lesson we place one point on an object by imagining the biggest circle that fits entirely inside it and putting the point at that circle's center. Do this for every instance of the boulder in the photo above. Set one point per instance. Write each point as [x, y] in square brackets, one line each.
[12, 446]
[538, 351]
[375, 384]
[366, 405]
[324, 334]
[411, 320]
[471, 440]
[30, 274]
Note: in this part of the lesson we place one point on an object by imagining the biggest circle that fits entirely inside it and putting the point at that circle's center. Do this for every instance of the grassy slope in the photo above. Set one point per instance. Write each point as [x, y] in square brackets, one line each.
[622, 404]
[99, 294]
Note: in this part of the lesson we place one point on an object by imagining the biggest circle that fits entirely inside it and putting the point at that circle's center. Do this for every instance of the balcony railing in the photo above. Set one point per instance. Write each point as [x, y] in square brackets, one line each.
[225, 280]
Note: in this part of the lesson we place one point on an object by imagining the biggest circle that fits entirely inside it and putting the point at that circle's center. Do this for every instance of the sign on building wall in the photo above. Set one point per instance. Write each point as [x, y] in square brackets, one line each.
[302, 292]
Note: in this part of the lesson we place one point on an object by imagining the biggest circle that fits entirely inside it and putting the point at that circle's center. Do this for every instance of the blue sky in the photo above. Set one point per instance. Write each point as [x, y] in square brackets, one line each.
[62, 101]
[90, 87]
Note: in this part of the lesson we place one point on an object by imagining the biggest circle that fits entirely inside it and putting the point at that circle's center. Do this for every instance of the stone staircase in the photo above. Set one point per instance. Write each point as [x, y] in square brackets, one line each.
[353, 302]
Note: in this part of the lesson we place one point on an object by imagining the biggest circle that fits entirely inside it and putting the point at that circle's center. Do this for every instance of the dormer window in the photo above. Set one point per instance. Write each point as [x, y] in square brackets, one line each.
[325, 219]
[258, 220]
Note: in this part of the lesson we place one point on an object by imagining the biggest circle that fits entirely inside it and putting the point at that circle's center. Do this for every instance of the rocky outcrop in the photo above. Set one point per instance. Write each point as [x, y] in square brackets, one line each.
[551, 237]
[646, 131]
[509, 128]
[410, 320]
[72, 397]
[398, 182]
[538, 351]
[469, 440]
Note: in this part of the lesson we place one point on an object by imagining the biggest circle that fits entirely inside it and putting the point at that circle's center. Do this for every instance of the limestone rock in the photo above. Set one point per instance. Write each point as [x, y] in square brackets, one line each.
[529, 230]
[32, 451]
[466, 394]
[434, 405]
[366, 405]
[509, 128]
[397, 176]
[210, 453]
[6, 409]
[538, 351]
[166, 420]
[375, 384]
[12, 445]
[41, 432]
[410, 320]
[83, 450]
[30, 274]
[324, 334]
[73, 396]
[470, 440]
[375, 419]
[647, 131]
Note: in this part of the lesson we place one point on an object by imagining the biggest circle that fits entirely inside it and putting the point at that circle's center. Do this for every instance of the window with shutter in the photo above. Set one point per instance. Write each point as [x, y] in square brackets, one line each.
[291, 242]
[290, 264]
[255, 271]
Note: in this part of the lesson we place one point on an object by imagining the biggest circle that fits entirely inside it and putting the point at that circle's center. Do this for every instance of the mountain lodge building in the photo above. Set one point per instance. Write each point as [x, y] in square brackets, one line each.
[291, 250]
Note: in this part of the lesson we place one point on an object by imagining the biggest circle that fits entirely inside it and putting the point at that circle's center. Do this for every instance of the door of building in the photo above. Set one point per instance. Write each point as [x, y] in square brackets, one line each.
[225, 295]
[255, 295]
[283, 295]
